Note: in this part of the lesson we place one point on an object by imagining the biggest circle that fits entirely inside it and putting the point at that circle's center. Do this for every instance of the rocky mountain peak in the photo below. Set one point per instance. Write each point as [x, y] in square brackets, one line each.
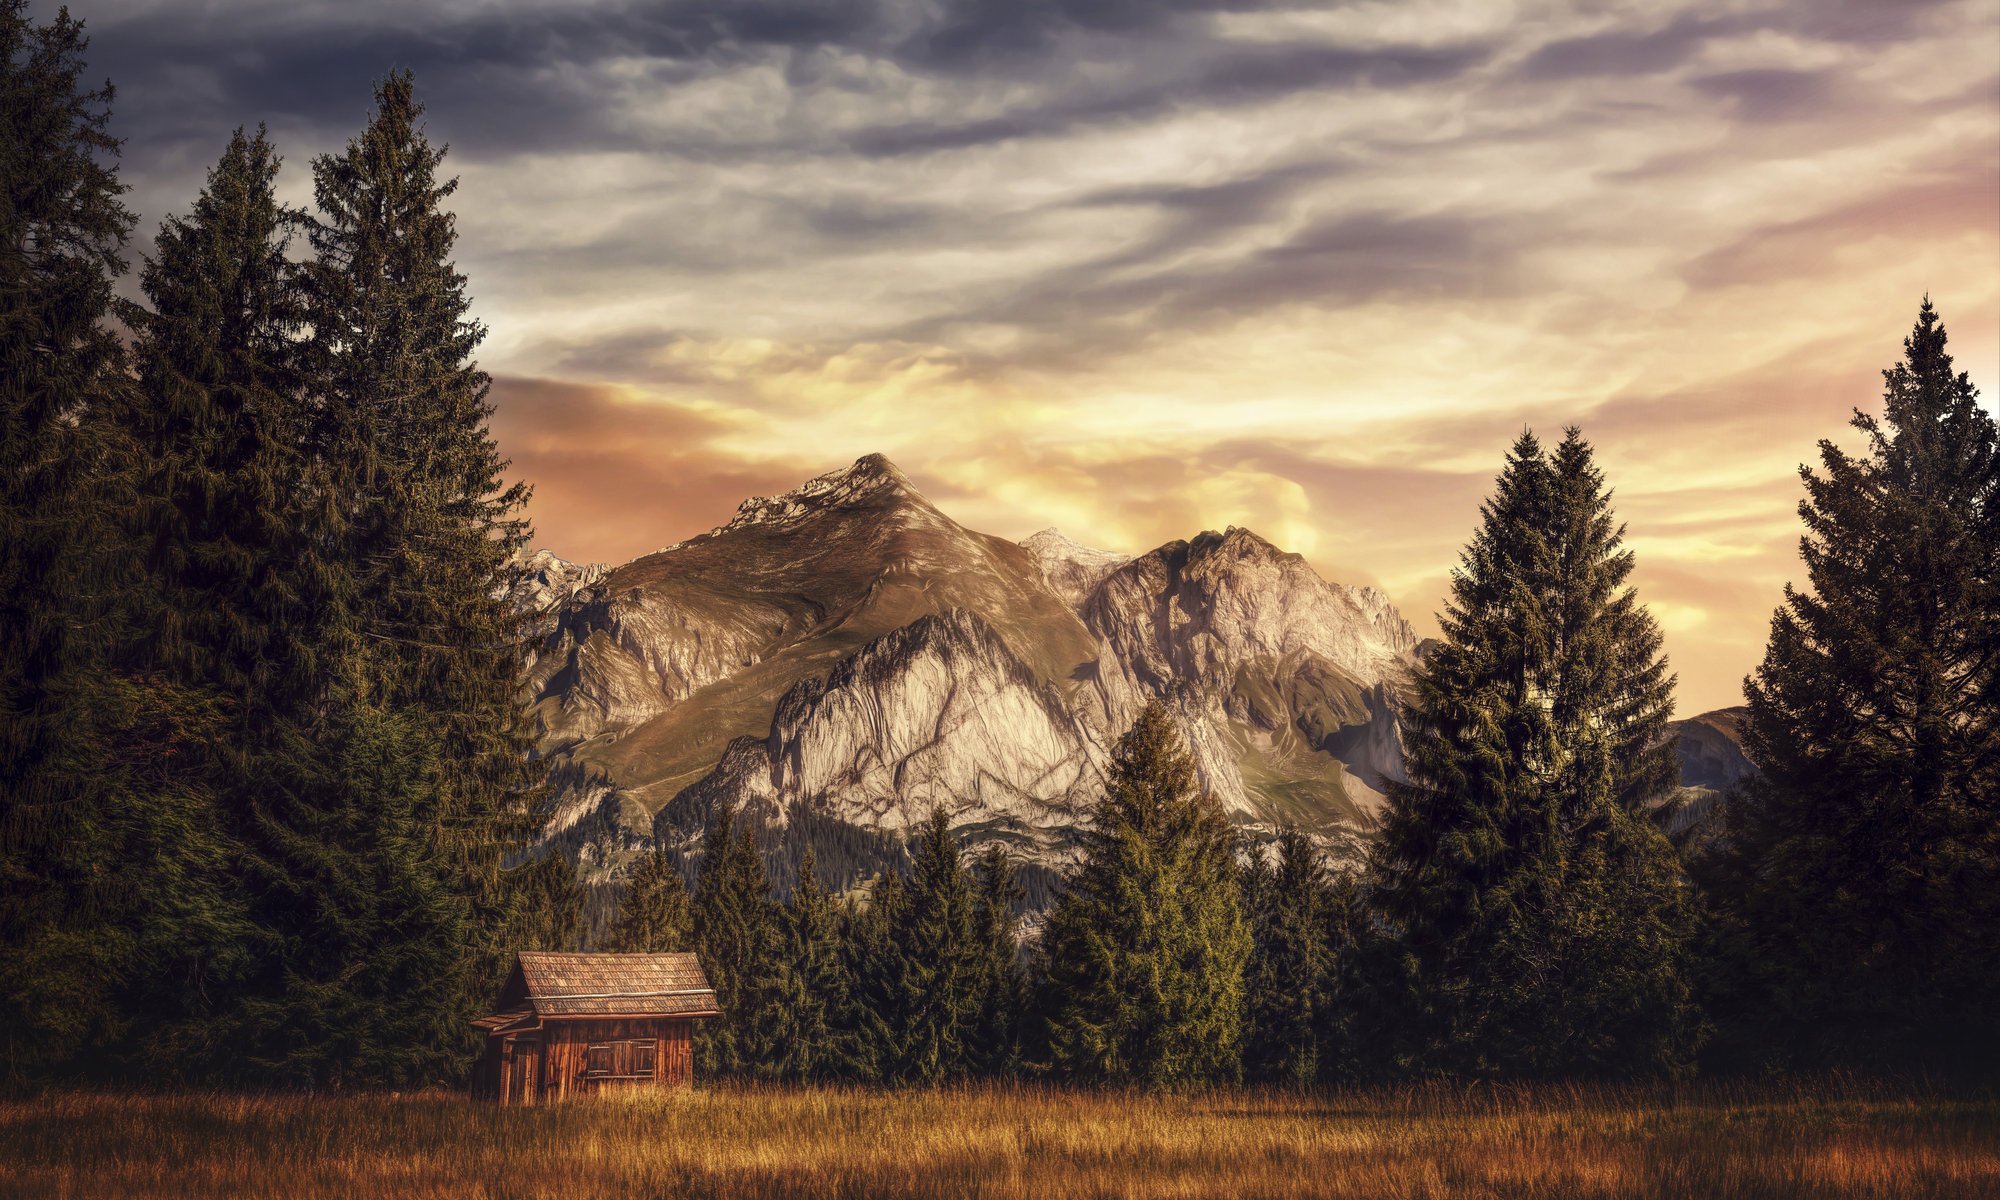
[871, 481]
[1238, 543]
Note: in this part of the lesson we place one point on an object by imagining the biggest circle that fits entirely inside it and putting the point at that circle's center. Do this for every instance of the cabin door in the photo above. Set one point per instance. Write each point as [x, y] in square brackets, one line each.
[524, 1081]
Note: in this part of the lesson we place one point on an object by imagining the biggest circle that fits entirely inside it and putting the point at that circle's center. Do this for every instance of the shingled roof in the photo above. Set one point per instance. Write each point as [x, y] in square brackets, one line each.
[593, 985]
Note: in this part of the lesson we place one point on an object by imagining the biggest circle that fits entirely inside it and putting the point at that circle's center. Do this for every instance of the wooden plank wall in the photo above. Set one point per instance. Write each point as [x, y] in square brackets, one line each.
[567, 1049]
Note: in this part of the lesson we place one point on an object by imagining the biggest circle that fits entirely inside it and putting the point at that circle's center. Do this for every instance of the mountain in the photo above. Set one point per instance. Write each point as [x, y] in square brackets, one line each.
[1071, 571]
[1710, 747]
[840, 658]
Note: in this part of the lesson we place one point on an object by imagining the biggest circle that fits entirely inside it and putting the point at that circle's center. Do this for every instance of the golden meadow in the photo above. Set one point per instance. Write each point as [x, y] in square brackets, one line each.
[1821, 1139]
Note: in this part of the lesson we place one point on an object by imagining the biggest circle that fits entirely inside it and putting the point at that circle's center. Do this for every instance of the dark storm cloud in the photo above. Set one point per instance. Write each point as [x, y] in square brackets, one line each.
[984, 34]
[315, 73]
[504, 78]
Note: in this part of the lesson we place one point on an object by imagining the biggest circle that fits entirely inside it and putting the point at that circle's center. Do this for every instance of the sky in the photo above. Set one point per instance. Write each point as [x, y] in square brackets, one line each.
[1137, 269]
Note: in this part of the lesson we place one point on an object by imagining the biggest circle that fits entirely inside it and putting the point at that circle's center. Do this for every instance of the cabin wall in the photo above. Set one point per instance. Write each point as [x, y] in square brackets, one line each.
[567, 1054]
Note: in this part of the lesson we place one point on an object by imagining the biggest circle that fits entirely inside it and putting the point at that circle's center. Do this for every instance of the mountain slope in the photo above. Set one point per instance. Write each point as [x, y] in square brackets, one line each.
[845, 656]
[1710, 747]
[652, 670]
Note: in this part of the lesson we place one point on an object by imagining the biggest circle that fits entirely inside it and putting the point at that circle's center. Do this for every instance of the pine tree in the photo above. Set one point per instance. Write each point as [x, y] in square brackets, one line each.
[1292, 972]
[369, 974]
[219, 422]
[66, 904]
[737, 934]
[1144, 951]
[404, 420]
[654, 918]
[216, 420]
[551, 904]
[873, 959]
[1859, 877]
[993, 1043]
[1540, 912]
[813, 985]
[934, 994]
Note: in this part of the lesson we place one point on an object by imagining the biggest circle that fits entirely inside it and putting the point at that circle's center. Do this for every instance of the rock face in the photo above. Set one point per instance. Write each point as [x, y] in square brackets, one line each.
[1710, 747]
[938, 713]
[842, 658]
[1071, 571]
[1287, 682]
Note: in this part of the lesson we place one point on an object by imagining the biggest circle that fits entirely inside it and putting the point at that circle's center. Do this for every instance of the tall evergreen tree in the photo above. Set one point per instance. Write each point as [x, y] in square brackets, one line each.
[654, 917]
[993, 1042]
[872, 956]
[813, 987]
[738, 936]
[435, 524]
[935, 992]
[64, 901]
[1859, 877]
[1541, 914]
[1292, 973]
[220, 422]
[1144, 951]
[215, 421]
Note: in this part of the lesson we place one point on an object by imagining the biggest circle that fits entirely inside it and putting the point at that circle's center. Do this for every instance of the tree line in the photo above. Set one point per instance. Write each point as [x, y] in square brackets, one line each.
[266, 794]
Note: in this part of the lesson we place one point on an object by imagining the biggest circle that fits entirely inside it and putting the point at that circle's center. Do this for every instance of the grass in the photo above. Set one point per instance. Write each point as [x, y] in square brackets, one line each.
[1820, 1140]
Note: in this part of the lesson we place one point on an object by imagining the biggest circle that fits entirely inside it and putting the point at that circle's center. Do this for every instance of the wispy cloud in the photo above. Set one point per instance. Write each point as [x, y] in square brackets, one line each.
[1137, 268]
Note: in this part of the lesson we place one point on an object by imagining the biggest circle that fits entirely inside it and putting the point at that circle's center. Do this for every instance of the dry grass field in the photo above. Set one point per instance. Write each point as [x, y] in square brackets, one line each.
[1030, 1143]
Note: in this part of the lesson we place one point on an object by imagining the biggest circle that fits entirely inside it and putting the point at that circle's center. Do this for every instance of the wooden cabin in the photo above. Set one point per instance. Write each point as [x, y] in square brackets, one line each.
[575, 1023]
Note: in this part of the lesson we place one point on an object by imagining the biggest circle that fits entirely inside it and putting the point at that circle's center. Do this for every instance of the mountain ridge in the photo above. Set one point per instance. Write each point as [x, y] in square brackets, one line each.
[837, 659]
[786, 659]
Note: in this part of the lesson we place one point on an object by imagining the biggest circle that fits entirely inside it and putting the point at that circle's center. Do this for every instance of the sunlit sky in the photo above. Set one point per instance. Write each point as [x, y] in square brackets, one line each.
[1138, 269]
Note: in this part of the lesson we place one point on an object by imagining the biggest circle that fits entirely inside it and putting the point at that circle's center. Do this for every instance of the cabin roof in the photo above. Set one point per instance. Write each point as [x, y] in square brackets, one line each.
[553, 984]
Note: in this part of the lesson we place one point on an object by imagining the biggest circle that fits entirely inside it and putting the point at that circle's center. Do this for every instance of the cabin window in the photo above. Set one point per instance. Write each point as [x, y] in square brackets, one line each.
[633, 1059]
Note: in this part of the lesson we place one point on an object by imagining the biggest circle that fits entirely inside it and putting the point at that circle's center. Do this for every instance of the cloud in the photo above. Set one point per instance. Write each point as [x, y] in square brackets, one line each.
[1771, 93]
[1229, 77]
[1946, 201]
[1620, 53]
[1142, 267]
